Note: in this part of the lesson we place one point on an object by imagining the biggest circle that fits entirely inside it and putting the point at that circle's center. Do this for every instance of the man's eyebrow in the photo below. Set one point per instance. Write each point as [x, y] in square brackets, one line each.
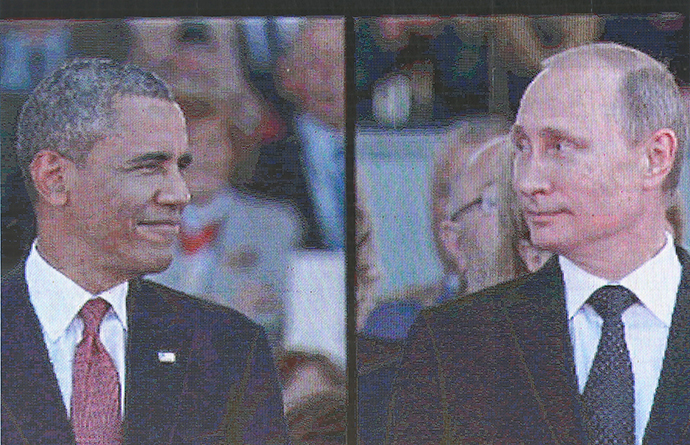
[554, 133]
[156, 156]
[517, 131]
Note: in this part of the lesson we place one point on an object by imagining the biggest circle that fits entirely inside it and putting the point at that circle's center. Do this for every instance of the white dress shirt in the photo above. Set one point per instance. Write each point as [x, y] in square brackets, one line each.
[647, 323]
[57, 300]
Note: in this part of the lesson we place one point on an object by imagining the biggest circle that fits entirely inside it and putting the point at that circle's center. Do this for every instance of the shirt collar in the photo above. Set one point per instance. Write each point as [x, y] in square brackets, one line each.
[57, 299]
[655, 283]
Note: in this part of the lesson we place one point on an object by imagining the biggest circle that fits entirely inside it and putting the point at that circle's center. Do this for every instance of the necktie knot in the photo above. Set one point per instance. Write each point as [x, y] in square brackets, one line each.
[611, 301]
[92, 314]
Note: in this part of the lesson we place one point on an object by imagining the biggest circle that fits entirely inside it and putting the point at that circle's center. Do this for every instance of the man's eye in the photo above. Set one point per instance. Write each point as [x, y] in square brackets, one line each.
[152, 167]
[564, 145]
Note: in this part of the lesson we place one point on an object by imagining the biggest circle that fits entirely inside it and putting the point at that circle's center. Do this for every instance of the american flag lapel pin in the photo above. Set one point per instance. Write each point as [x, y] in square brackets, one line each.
[166, 357]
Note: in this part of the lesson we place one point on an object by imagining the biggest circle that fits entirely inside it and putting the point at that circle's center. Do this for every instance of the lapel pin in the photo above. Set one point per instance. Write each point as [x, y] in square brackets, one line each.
[166, 357]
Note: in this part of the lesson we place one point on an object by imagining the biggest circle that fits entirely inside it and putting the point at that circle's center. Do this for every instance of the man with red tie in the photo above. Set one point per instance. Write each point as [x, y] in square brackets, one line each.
[594, 347]
[92, 353]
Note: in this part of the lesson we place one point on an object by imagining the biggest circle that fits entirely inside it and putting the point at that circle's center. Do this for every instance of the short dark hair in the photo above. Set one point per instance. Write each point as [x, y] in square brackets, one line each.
[72, 108]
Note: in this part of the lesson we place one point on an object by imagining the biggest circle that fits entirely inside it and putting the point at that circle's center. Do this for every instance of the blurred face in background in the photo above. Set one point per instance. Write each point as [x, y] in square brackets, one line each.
[475, 239]
[213, 159]
[313, 73]
[202, 61]
[446, 170]
[471, 233]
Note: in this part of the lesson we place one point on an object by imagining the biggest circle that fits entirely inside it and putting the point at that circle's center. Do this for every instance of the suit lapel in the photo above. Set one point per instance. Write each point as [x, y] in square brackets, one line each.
[154, 384]
[669, 420]
[32, 405]
[539, 324]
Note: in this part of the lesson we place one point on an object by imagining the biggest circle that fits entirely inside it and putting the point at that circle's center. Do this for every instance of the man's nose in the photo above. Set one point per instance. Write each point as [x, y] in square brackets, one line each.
[530, 174]
[174, 191]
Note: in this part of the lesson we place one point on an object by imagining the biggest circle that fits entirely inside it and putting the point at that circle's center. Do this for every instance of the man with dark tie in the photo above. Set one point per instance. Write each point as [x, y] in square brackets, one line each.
[92, 353]
[594, 347]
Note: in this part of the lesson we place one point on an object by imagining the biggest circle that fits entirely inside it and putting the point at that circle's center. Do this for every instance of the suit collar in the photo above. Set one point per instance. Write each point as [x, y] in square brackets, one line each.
[32, 405]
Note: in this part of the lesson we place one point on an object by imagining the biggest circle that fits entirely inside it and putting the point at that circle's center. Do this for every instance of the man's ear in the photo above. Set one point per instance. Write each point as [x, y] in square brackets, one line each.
[660, 151]
[51, 173]
[450, 239]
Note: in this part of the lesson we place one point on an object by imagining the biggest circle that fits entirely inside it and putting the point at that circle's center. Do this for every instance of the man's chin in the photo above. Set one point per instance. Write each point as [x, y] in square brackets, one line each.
[547, 238]
[161, 264]
[152, 262]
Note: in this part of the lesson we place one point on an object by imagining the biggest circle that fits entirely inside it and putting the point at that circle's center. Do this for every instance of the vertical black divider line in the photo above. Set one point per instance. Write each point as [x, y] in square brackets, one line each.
[350, 249]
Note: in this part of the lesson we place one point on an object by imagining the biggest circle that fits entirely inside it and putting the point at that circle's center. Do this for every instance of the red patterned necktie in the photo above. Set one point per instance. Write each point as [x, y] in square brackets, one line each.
[95, 400]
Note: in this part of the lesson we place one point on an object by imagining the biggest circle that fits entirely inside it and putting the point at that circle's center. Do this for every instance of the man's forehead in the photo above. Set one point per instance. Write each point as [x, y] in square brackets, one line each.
[144, 126]
[560, 97]
[146, 115]
[573, 80]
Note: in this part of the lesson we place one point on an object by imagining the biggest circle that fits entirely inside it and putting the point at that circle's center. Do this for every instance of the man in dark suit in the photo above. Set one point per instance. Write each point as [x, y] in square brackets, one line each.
[598, 139]
[92, 353]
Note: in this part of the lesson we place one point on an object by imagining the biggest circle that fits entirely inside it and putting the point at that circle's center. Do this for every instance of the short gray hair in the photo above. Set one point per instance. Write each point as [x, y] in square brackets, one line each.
[72, 108]
[650, 97]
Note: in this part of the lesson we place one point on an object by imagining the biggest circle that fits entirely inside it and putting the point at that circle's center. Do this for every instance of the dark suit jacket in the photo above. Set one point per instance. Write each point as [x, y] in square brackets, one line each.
[377, 362]
[279, 174]
[497, 367]
[222, 388]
